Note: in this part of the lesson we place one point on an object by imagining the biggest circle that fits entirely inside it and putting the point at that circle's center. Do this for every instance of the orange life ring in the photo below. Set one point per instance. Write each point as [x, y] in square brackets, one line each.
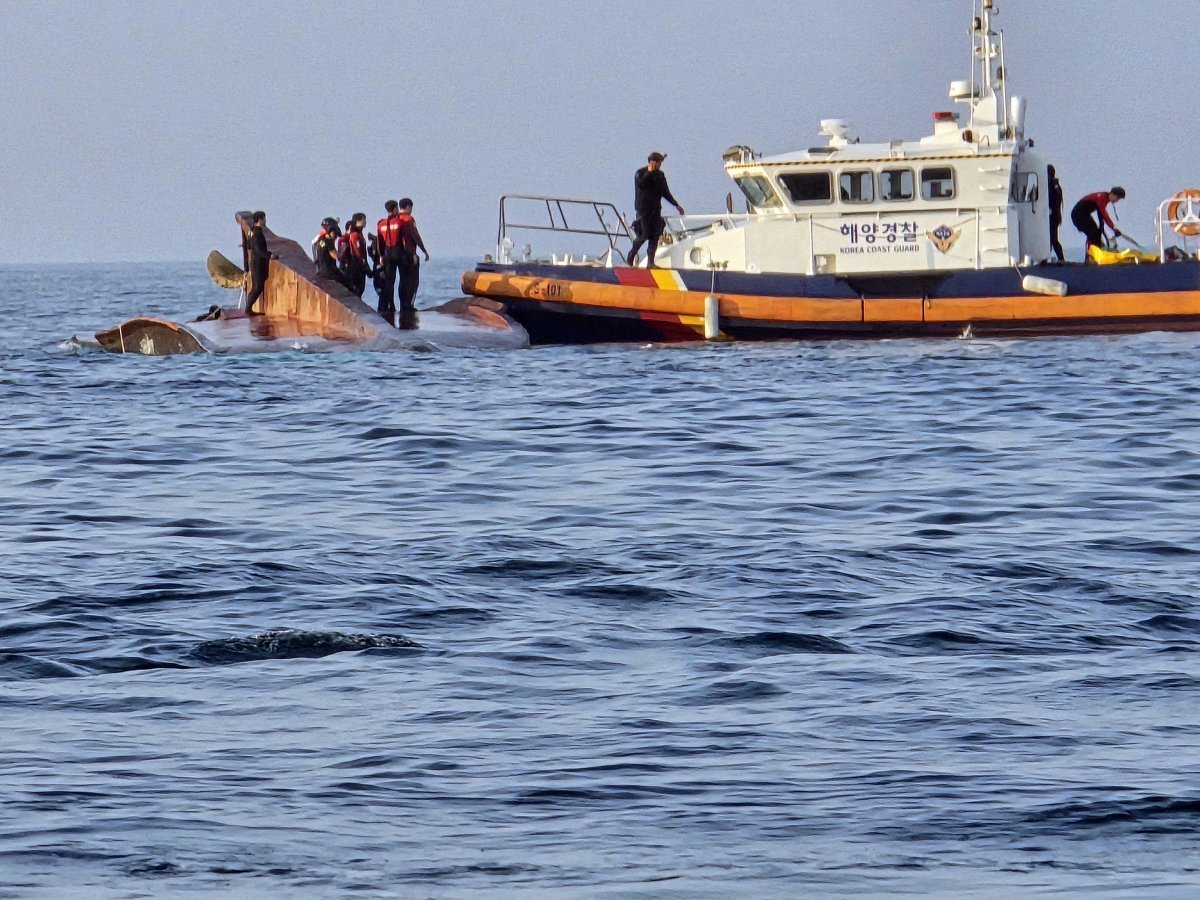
[1183, 213]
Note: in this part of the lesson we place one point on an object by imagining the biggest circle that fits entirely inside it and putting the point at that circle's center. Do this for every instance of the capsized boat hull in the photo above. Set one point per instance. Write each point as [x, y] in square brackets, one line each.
[589, 304]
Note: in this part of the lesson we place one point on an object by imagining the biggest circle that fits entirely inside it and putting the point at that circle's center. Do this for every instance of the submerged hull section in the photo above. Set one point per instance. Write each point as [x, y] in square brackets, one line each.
[582, 304]
[304, 310]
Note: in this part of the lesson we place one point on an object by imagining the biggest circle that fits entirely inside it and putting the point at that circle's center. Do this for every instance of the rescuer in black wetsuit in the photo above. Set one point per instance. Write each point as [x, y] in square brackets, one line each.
[1056, 213]
[1096, 205]
[260, 260]
[650, 190]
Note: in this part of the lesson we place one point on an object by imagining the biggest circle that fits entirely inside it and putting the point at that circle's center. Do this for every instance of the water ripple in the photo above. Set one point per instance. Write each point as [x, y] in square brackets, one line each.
[856, 618]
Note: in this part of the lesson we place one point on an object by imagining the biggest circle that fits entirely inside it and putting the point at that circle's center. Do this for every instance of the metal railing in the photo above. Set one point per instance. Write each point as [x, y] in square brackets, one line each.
[563, 215]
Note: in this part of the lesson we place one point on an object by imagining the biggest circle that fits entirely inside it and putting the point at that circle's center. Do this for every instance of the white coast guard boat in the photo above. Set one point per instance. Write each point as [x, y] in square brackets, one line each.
[933, 236]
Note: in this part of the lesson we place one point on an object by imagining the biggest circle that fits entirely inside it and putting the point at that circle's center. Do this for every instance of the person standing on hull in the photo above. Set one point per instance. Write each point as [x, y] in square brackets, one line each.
[650, 190]
[409, 266]
[326, 231]
[1096, 205]
[352, 255]
[1056, 213]
[260, 261]
[325, 250]
[375, 255]
[389, 254]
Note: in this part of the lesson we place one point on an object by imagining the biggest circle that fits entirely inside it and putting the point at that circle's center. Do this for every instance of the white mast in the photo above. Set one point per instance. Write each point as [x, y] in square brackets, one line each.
[988, 91]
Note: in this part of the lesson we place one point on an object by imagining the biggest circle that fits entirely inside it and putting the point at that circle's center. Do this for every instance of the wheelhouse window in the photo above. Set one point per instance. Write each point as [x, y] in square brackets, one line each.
[937, 183]
[896, 184]
[1025, 187]
[758, 191]
[856, 187]
[808, 187]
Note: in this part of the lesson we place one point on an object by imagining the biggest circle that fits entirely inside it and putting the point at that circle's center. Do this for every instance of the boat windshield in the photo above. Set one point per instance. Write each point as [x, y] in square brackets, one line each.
[759, 191]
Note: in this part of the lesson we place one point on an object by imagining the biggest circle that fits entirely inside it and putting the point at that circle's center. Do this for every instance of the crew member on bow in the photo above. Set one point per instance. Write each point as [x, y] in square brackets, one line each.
[1096, 205]
[650, 190]
[260, 261]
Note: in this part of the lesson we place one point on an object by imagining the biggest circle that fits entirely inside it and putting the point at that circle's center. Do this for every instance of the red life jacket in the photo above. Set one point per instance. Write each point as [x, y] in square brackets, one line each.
[389, 230]
[407, 231]
[352, 247]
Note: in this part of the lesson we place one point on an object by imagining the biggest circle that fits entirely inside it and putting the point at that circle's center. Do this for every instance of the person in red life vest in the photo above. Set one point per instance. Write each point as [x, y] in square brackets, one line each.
[260, 261]
[388, 230]
[1096, 205]
[409, 265]
[352, 254]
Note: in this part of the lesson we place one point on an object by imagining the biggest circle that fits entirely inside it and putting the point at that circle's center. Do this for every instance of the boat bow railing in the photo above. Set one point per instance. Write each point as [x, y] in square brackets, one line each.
[561, 215]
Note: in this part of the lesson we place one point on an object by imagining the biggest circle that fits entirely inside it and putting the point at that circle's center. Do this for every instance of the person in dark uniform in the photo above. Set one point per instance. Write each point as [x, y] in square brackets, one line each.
[1096, 205]
[377, 280]
[325, 250]
[409, 265]
[1056, 213]
[650, 190]
[352, 254]
[260, 261]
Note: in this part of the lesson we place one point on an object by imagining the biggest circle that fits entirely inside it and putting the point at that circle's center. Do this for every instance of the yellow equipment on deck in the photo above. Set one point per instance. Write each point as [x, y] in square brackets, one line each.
[1120, 257]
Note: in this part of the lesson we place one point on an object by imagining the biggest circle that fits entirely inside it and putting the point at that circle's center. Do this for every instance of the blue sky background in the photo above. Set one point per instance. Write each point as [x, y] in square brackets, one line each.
[134, 131]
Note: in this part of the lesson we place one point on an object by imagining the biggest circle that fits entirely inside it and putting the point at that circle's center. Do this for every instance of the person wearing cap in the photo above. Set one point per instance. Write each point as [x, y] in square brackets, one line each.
[325, 249]
[650, 190]
[325, 230]
[1096, 205]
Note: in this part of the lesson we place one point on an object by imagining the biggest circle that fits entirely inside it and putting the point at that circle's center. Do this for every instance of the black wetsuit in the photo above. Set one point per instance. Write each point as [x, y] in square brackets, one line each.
[378, 280]
[1056, 217]
[650, 190]
[1094, 205]
[260, 265]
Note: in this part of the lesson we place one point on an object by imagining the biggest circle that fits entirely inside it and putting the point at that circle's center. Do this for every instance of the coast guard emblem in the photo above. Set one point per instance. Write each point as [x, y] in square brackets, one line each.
[944, 238]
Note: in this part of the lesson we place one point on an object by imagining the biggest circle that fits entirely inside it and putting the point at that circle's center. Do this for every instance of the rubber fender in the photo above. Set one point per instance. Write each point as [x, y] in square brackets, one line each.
[1051, 287]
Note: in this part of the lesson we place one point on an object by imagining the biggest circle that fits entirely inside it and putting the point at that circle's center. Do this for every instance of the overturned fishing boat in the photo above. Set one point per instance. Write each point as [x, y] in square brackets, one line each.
[302, 310]
[945, 235]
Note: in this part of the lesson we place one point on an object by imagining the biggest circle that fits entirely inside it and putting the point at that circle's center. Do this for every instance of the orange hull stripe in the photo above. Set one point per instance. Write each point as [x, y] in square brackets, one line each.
[677, 302]
[802, 309]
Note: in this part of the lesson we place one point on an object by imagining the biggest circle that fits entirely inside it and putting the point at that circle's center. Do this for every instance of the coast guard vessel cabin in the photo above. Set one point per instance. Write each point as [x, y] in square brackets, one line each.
[968, 196]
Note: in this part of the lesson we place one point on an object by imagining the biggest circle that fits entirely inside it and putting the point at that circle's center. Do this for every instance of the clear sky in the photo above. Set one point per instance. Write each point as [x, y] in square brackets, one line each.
[134, 130]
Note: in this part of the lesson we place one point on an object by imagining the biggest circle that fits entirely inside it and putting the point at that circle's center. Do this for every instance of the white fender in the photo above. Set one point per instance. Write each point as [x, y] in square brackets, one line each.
[1035, 284]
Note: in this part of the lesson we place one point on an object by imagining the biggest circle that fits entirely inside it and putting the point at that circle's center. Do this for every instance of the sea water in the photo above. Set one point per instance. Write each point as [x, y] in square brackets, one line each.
[793, 619]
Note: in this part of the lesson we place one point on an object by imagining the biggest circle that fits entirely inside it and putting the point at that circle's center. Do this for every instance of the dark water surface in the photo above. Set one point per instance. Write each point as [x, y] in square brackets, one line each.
[762, 621]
